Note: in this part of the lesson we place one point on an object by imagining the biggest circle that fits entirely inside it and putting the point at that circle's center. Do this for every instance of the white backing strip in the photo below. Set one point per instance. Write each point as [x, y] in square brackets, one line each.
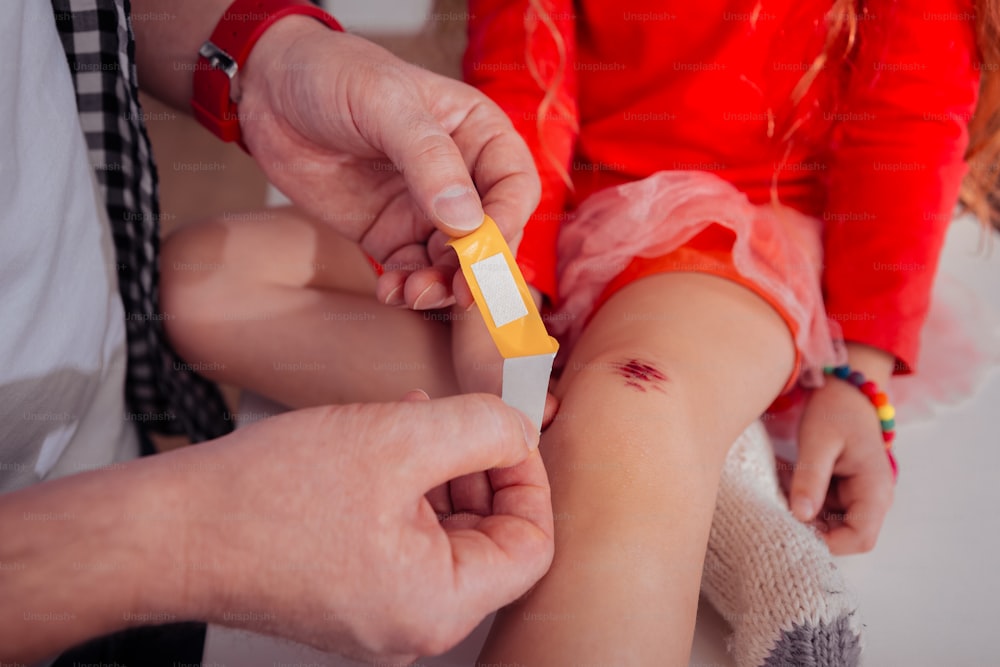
[526, 382]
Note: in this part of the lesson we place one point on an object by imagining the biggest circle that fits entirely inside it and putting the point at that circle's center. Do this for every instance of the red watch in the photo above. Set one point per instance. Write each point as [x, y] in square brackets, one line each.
[216, 90]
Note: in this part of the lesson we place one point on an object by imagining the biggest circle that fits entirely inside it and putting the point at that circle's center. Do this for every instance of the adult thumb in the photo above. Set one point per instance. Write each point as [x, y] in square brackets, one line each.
[436, 174]
[460, 435]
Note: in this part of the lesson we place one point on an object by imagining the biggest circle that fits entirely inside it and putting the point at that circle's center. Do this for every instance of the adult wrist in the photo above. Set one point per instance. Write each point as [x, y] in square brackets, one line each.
[269, 56]
[195, 574]
[218, 81]
[154, 512]
[215, 572]
[89, 558]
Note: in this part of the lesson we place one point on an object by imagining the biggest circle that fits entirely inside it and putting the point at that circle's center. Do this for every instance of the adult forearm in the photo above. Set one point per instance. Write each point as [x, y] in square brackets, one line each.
[168, 34]
[84, 556]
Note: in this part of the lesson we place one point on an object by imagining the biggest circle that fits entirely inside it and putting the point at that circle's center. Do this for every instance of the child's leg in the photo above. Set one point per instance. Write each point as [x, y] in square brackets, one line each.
[281, 304]
[666, 376]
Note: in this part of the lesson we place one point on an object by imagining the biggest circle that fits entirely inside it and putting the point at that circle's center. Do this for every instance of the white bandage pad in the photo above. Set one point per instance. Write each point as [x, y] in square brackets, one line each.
[499, 289]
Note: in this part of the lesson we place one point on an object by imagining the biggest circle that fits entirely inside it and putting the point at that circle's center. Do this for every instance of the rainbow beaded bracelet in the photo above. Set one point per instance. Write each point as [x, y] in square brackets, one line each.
[886, 413]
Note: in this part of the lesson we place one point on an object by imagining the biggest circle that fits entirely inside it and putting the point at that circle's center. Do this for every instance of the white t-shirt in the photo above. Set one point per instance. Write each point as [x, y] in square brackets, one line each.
[62, 330]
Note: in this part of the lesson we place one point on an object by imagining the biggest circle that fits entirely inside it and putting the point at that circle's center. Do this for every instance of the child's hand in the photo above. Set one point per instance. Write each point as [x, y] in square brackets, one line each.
[842, 478]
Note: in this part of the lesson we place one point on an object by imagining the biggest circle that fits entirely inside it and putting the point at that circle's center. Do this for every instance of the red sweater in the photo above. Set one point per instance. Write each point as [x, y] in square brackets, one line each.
[876, 144]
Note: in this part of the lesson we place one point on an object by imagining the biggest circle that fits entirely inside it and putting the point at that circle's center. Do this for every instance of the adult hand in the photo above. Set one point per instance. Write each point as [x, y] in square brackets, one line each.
[312, 526]
[393, 156]
[336, 545]
[473, 493]
[842, 479]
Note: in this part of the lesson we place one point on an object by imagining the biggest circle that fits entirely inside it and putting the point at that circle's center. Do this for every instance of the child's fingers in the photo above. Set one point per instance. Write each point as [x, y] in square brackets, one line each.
[818, 453]
[858, 507]
[856, 529]
[825, 519]
[784, 468]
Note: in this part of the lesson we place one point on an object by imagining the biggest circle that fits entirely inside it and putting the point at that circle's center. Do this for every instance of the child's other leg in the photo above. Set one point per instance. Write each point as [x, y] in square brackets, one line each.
[666, 376]
[281, 304]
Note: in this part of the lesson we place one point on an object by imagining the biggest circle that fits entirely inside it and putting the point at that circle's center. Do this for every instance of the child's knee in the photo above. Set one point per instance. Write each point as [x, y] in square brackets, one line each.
[627, 382]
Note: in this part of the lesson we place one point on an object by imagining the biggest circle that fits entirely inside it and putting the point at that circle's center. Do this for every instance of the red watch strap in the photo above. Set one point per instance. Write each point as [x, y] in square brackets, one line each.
[228, 49]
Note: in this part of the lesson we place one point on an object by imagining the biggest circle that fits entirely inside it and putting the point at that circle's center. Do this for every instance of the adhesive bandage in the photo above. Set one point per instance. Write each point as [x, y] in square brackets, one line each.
[510, 314]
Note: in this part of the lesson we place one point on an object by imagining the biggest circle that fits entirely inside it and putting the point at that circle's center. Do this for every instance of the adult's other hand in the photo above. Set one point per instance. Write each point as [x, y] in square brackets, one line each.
[341, 549]
[395, 157]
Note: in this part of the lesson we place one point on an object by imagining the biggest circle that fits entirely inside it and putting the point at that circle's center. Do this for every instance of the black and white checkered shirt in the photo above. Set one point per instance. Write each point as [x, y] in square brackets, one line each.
[100, 50]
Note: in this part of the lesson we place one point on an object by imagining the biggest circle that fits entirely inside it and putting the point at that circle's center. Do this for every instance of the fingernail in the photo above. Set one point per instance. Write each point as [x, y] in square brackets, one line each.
[531, 434]
[802, 508]
[416, 395]
[459, 208]
[419, 302]
[389, 297]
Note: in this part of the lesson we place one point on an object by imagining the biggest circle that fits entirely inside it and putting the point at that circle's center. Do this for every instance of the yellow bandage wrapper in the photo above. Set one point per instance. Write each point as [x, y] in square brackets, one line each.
[511, 317]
